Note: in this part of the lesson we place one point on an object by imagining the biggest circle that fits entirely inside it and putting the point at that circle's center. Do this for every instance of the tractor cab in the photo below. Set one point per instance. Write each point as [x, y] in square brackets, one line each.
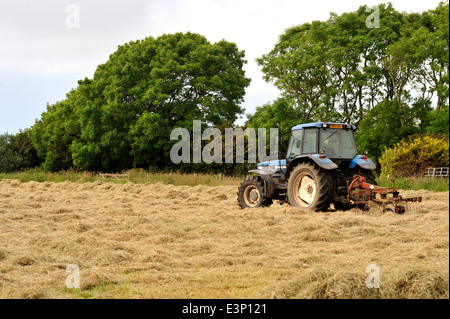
[329, 144]
[336, 141]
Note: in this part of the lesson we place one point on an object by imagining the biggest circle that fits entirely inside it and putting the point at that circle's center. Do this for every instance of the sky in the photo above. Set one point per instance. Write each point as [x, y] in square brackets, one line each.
[46, 46]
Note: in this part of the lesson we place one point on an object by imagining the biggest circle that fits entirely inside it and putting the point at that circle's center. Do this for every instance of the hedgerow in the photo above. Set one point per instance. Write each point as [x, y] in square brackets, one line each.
[412, 157]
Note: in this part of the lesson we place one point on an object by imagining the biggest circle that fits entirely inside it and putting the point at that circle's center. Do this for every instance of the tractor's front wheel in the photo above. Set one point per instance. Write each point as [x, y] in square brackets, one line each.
[310, 188]
[251, 193]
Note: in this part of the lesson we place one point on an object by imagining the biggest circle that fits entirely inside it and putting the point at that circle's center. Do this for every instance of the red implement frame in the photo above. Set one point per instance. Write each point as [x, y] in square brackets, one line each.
[366, 190]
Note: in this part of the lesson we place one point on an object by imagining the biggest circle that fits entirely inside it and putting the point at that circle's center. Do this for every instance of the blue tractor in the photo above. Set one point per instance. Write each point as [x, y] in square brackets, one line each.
[322, 162]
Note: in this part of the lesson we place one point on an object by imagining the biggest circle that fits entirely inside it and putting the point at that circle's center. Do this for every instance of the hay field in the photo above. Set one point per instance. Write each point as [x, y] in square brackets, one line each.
[165, 241]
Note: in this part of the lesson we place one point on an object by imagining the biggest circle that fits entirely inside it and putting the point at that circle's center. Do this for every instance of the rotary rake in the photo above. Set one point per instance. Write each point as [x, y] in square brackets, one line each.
[364, 195]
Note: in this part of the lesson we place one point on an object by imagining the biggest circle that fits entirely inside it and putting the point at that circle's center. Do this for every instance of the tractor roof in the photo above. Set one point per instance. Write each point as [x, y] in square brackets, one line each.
[318, 124]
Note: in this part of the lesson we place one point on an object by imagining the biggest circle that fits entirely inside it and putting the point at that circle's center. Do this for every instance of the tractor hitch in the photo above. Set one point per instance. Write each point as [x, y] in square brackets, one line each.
[362, 194]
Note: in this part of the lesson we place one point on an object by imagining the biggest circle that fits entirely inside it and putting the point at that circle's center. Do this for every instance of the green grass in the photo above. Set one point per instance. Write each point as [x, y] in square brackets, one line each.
[39, 175]
[139, 176]
[135, 176]
[439, 184]
[105, 290]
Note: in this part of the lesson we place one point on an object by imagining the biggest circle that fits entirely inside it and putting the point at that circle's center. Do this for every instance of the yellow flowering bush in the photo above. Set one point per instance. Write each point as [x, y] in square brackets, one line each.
[412, 158]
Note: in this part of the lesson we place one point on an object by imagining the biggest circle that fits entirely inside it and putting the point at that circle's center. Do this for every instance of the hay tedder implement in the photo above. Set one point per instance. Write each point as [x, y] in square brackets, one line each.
[322, 167]
[363, 195]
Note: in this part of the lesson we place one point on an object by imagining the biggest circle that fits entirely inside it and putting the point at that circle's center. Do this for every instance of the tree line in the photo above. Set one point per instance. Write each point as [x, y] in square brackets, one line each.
[122, 118]
[391, 81]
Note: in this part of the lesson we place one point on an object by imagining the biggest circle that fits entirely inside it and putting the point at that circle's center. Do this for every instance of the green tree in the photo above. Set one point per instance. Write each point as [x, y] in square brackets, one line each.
[382, 128]
[347, 78]
[439, 121]
[420, 57]
[297, 66]
[334, 70]
[282, 111]
[123, 116]
[10, 160]
[149, 141]
[383, 79]
[21, 143]
[53, 135]
[439, 61]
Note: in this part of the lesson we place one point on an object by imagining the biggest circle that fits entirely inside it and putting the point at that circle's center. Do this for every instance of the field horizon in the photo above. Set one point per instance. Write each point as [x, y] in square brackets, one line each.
[140, 176]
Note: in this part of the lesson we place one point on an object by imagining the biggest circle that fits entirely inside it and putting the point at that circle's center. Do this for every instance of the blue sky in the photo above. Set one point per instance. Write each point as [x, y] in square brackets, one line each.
[41, 58]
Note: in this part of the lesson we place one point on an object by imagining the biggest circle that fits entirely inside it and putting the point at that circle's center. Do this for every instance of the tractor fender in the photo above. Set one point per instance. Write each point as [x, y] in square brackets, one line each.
[324, 163]
[362, 161]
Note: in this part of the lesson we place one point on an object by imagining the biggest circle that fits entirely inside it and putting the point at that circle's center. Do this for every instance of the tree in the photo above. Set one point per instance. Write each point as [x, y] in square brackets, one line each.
[281, 111]
[297, 66]
[382, 128]
[123, 116]
[382, 79]
[439, 122]
[10, 160]
[439, 63]
[148, 139]
[333, 70]
[346, 78]
[21, 143]
[420, 57]
[53, 135]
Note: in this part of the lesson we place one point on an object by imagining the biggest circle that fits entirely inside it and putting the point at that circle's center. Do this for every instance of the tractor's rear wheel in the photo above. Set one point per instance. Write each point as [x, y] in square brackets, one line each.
[368, 174]
[251, 193]
[310, 188]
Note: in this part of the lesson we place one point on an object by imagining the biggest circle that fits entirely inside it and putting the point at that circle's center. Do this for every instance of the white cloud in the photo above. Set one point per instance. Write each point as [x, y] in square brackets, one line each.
[35, 40]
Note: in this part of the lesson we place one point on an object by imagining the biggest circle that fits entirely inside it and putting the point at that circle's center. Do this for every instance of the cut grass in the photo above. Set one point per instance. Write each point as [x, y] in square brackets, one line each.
[164, 241]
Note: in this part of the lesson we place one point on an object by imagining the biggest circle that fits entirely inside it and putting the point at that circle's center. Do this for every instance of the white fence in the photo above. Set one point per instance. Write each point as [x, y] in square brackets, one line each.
[437, 172]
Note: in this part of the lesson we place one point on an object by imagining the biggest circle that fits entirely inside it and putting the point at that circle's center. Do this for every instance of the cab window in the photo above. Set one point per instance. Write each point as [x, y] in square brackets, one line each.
[338, 143]
[295, 144]
[310, 141]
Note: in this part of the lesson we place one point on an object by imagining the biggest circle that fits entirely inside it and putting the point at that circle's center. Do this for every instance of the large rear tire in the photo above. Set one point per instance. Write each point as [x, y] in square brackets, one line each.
[251, 193]
[310, 188]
